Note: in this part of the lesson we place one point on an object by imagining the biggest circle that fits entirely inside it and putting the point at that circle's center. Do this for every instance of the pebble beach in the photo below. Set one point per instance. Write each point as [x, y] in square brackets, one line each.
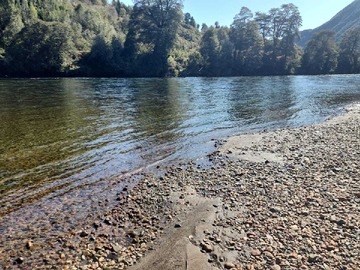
[283, 199]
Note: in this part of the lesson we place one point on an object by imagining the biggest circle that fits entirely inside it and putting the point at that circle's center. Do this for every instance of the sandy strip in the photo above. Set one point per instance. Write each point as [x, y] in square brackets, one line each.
[285, 199]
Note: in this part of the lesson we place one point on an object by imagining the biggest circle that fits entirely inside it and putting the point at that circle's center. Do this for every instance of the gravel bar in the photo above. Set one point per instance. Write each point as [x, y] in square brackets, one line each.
[284, 199]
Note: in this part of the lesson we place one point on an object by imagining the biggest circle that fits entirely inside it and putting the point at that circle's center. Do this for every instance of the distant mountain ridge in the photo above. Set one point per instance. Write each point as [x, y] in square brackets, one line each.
[347, 18]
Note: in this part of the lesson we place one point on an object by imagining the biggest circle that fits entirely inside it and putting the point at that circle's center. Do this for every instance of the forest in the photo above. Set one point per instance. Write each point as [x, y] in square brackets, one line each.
[155, 38]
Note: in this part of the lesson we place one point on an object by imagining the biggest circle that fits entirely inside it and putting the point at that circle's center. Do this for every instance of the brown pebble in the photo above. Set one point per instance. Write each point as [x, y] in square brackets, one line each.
[229, 265]
[207, 247]
[256, 252]
[275, 267]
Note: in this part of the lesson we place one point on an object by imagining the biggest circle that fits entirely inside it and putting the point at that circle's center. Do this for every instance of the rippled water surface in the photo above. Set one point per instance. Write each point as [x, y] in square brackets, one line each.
[62, 135]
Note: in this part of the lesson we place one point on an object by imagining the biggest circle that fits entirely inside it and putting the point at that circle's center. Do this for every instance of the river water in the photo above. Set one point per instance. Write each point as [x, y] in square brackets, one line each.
[76, 135]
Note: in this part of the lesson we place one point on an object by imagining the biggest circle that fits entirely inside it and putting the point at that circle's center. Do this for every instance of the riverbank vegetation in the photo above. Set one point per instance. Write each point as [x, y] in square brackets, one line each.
[154, 38]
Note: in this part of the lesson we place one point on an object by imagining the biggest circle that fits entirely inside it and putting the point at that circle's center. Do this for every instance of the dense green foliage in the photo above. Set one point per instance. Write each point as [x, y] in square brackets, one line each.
[154, 38]
[321, 53]
[349, 57]
[56, 37]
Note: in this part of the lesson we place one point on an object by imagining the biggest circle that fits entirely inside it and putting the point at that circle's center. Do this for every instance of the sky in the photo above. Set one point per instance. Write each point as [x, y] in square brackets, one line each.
[314, 12]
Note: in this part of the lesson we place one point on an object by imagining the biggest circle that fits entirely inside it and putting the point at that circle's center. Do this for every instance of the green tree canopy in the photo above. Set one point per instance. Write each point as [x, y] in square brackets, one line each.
[349, 58]
[41, 49]
[279, 29]
[248, 44]
[210, 48]
[154, 38]
[153, 27]
[320, 56]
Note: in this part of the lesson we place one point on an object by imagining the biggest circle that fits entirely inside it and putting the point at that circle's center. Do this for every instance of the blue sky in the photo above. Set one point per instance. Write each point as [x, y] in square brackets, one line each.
[313, 12]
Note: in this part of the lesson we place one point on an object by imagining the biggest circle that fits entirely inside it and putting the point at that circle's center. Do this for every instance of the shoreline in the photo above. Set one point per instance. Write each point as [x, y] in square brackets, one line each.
[283, 199]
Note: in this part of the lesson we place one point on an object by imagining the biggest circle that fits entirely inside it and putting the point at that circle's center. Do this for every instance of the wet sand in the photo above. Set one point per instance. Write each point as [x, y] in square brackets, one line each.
[285, 199]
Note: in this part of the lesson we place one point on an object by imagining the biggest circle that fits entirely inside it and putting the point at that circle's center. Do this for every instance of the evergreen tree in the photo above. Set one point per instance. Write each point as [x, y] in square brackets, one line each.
[248, 45]
[210, 50]
[349, 56]
[279, 29]
[153, 27]
[154, 38]
[41, 49]
[289, 51]
[11, 22]
[320, 56]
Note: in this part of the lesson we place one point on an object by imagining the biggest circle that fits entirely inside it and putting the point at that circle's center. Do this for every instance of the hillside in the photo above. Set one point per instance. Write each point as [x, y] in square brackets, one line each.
[346, 19]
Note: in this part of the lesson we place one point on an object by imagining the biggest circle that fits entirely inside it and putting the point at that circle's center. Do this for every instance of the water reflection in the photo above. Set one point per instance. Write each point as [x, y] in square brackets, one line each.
[159, 109]
[58, 135]
[245, 100]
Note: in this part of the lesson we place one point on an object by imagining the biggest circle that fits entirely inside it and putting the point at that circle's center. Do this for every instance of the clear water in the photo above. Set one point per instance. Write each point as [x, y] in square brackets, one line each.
[75, 136]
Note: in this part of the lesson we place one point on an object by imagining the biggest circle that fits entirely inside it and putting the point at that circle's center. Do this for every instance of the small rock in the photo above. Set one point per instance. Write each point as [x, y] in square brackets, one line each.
[113, 256]
[96, 225]
[29, 245]
[229, 265]
[256, 252]
[177, 225]
[251, 235]
[313, 258]
[207, 247]
[92, 238]
[107, 221]
[275, 209]
[136, 240]
[269, 254]
[275, 267]
[133, 234]
[83, 234]
[341, 222]
[116, 247]
[19, 260]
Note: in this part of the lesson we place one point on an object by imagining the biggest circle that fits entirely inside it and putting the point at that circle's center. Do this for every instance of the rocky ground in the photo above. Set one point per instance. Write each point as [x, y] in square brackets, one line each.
[287, 199]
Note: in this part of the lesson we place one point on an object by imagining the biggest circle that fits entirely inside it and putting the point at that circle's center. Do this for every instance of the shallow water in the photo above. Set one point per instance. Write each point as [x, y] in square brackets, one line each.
[72, 136]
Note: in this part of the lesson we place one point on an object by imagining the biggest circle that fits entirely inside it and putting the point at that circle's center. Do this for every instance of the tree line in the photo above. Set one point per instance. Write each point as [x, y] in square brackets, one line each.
[154, 38]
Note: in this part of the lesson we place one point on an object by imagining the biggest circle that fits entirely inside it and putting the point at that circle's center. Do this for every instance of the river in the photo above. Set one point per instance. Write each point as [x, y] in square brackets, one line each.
[66, 142]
